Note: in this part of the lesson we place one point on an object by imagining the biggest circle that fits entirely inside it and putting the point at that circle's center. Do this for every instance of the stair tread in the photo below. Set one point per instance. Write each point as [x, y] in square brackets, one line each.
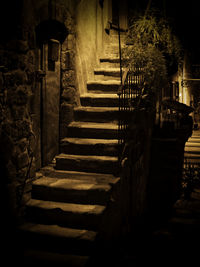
[108, 69]
[59, 231]
[102, 82]
[74, 184]
[86, 157]
[96, 109]
[103, 125]
[90, 141]
[192, 155]
[98, 95]
[67, 207]
[192, 144]
[192, 149]
[96, 178]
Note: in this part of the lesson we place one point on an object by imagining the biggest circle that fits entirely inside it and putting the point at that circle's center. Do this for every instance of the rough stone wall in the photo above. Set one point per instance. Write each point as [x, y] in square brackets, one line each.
[16, 136]
[18, 82]
[69, 93]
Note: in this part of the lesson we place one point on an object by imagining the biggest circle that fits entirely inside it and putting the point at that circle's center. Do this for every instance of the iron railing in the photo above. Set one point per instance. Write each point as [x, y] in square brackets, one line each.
[129, 94]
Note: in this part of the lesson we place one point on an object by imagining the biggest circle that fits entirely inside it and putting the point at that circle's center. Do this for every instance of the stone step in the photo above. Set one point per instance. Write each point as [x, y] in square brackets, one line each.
[54, 238]
[86, 177]
[196, 133]
[84, 146]
[81, 216]
[192, 155]
[93, 130]
[110, 86]
[108, 71]
[100, 100]
[96, 114]
[110, 62]
[191, 149]
[71, 190]
[102, 164]
[34, 257]
[107, 74]
[193, 144]
[109, 59]
[193, 141]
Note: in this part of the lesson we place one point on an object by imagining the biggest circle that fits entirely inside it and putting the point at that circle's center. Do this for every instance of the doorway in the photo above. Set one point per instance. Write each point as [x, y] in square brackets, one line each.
[47, 103]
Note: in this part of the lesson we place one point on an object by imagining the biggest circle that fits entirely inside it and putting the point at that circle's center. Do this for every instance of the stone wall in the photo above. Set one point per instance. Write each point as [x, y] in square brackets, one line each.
[16, 135]
[19, 98]
[69, 88]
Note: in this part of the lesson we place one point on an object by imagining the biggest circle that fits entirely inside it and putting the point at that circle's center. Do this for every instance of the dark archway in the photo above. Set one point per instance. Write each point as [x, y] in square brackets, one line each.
[51, 29]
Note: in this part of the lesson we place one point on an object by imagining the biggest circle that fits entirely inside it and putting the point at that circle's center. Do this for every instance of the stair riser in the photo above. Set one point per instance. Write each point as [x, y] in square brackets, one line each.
[92, 133]
[63, 218]
[107, 116]
[92, 196]
[99, 102]
[97, 149]
[107, 64]
[108, 73]
[100, 166]
[98, 87]
[57, 243]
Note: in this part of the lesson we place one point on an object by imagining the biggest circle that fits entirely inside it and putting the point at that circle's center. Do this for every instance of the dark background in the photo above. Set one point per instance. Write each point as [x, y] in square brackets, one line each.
[184, 17]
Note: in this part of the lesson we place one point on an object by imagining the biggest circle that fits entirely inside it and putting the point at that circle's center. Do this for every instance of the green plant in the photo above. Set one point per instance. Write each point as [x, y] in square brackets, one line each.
[152, 46]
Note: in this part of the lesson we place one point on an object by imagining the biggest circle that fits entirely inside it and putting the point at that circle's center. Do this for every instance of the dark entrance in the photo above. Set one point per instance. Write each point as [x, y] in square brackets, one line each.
[50, 35]
[47, 103]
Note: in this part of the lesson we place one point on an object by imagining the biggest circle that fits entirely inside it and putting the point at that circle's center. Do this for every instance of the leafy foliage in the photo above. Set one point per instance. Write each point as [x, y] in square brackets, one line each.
[152, 46]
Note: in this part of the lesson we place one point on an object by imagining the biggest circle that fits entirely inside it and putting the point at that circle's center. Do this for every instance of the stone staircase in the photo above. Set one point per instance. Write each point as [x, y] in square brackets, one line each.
[192, 148]
[69, 206]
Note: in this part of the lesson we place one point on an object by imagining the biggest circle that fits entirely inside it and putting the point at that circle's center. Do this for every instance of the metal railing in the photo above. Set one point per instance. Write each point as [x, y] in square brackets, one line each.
[129, 93]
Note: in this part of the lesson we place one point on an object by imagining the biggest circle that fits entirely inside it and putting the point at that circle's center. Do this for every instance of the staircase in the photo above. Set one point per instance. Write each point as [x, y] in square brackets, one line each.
[70, 199]
[192, 148]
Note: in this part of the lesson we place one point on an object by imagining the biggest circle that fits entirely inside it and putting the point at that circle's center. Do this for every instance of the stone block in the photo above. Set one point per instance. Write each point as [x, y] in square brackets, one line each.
[68, 78]
[18, 45]
[18, 112]
[69, 95]
[23, 160]
[15, 78]
[69, 42]
[68, 60]
[67, 113]
[19, 129]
